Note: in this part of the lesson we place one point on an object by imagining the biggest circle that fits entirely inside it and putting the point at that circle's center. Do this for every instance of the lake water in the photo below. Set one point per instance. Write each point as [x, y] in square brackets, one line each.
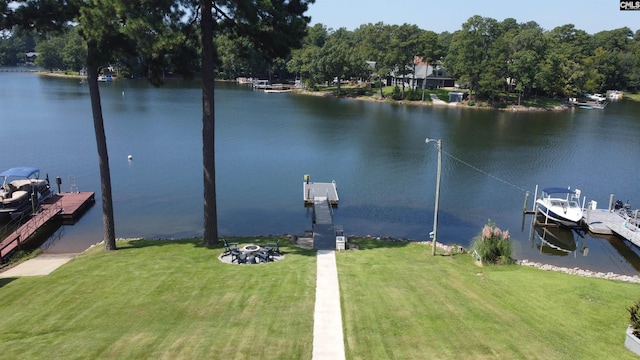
[376, 153]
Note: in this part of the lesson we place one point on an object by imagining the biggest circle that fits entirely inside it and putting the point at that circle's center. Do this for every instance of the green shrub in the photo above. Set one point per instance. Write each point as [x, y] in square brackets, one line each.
[396, 94]
[413, 95]
[493, 246]
[634, 318]
[471, 102]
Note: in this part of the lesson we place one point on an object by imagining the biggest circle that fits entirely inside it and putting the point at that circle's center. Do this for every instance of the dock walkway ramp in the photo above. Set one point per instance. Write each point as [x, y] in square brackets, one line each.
[324, 237]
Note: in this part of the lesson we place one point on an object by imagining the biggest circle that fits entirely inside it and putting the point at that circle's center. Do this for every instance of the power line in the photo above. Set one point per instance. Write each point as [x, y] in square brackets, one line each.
[482, 171]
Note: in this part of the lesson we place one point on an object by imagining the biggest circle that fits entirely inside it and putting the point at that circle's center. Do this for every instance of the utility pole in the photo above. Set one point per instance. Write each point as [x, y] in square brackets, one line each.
[434, 233]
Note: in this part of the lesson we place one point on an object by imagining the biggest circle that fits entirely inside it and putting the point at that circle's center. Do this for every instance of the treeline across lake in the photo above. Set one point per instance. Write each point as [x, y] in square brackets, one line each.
[489, 57]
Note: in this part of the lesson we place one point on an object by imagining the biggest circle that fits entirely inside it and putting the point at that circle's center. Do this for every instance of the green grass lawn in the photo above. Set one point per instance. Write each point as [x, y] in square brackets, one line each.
[400, 302]
[155, 299]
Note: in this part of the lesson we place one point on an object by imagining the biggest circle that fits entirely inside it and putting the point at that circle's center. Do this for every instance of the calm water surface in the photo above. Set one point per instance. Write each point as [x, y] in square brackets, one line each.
[375, 152]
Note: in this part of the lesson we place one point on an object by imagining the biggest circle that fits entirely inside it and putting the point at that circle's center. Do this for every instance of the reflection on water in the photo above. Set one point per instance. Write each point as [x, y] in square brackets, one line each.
[265, 143]
[557, 240]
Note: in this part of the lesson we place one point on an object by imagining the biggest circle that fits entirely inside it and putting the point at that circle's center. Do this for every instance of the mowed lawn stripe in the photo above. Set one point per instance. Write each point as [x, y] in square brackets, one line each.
[399, 302]
[162, 299]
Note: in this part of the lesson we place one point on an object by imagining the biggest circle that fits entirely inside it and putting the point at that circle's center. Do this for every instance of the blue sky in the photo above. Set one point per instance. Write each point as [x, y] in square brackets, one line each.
[591, 16]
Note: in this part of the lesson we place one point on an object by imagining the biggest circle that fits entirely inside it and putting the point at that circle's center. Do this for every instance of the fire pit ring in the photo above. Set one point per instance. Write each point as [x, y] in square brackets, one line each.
[250, 248]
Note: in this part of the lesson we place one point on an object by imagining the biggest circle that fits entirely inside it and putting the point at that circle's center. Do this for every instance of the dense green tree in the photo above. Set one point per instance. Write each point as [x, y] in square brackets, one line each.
[74, 51]
[237, 57]
[337, 60]
[431, 52]
[301, 61]
[405, 46]
[631, 62]
[373, 42]
[527, 51]
[611, 64]
[50, 53]
[14, 44]
[469, 50]
[493, 78]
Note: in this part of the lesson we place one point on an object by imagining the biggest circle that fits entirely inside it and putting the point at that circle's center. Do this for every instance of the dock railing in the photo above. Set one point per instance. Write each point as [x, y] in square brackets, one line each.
[17, 238]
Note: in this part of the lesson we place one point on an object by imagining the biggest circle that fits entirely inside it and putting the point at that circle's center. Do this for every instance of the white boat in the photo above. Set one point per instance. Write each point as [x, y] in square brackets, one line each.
[105, 78]
[597, 97]
[21, 185]
[275, 91]
[561, 206]
[615, 95]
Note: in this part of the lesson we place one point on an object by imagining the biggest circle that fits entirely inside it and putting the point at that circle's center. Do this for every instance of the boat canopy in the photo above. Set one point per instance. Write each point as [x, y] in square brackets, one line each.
[557, 190]
[23, 172]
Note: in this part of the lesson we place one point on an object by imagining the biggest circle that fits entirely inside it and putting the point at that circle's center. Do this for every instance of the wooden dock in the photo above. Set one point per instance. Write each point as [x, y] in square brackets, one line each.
[605, 222]
[312, 190]
[64, 207]
[73, 204]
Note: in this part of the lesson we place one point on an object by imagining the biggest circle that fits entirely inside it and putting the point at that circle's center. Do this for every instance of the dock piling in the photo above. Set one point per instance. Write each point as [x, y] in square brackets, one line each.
[526, 201]
[611, 202]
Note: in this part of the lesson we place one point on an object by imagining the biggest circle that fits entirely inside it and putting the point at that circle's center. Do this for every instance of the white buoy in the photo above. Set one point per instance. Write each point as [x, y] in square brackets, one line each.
[130, 157]
[123, 93]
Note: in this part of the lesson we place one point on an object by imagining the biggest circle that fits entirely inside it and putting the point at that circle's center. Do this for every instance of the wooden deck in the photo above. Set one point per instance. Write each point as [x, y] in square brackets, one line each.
[67, 207]
[73, 204]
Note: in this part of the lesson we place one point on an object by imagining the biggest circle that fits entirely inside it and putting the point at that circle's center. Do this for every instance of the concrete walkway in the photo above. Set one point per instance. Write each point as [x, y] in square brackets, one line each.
[328, 341]
[43, 264]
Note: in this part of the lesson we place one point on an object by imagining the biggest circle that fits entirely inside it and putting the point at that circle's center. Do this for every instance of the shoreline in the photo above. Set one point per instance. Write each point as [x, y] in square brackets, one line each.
[448, 250]
[376, 98]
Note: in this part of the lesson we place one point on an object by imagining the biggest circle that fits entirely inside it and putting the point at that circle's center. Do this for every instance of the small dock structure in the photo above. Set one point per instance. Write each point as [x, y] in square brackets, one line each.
[606, 222]
[311, 190]
[323, 197]
[63, 207]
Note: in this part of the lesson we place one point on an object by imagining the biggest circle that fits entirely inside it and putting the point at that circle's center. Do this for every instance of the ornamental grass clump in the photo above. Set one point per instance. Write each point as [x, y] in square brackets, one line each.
[634, 318]
[493, 246]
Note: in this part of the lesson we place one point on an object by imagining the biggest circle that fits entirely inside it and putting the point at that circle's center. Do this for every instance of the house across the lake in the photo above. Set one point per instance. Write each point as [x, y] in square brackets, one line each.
[434, 75]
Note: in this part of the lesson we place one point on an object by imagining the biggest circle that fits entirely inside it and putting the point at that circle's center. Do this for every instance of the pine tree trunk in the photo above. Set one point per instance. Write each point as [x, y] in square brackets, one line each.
[103, 155]
[208, 126]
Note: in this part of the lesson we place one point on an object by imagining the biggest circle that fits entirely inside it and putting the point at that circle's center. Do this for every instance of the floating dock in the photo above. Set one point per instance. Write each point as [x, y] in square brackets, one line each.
[312, 190]
[605, 222]
[64, 207]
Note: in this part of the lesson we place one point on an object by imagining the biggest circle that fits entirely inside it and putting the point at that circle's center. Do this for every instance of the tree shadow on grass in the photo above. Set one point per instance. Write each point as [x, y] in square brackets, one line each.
[131, 244]
[5, 281]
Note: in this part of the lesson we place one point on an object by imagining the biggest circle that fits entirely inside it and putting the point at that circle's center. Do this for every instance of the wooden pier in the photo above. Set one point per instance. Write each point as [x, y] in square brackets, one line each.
[63, 207]
[605, 222]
